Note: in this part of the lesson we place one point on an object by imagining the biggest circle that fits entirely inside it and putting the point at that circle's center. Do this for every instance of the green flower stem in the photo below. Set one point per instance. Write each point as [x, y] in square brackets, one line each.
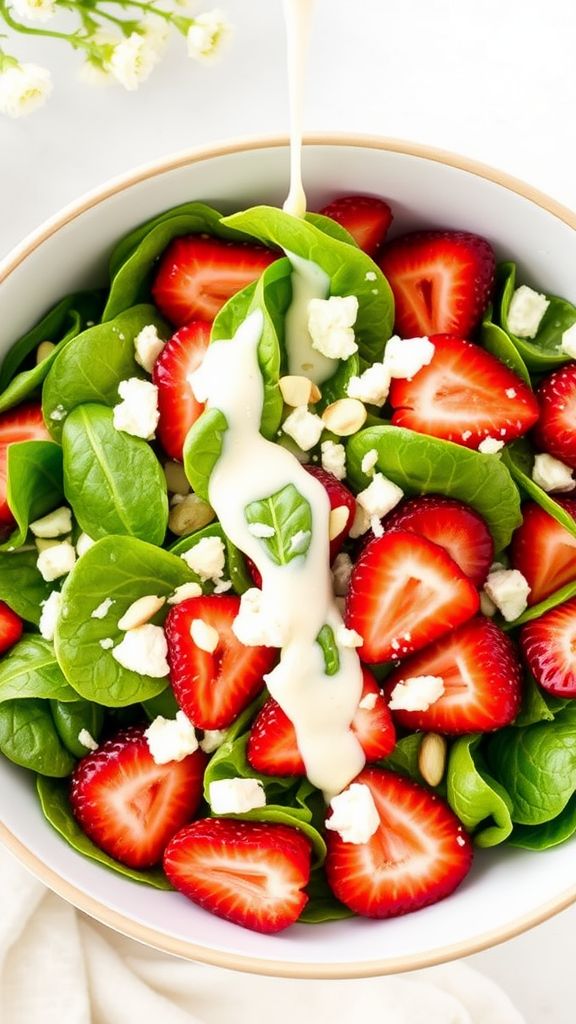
[75, 40]
[180, 23]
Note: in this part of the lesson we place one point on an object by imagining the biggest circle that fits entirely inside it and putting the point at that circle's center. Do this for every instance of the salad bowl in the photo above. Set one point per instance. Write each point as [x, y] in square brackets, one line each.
[508, 890]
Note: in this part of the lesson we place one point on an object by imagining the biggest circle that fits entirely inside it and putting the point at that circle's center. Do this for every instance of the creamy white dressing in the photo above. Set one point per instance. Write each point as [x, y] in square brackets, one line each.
[308, 281]
[299, 594]
[298, 16]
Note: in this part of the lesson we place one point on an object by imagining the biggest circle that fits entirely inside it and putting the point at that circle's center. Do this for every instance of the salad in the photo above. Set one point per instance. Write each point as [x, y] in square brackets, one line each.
[288, 562]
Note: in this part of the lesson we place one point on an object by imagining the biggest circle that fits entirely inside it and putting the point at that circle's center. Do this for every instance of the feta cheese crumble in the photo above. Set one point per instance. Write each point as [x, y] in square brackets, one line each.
[147, 346]
[372, 386]
[87, 740]
[404, 357]
[261, 530]
[171, 739]
[254, 625]
[354, 816]
[49, 616]
[236, 796]
[212, 740]
[137, 413]
[568, 343]
[143, 650]
[509, 590]
[552, 475]
[330, 323]
[490, 446]
[417, 693]
[361, 522]
[348, 637]
[207, 558]
[380, 497]
[107, 643]
[55, 524]
[334, 459]
[300, 542]
[185, 591]
[101, 611]
[369, 460]
[368, 703]
[341, 573]
[527, 307]
[83, 544]
[204, 635]
[56, 561]
[304, 427]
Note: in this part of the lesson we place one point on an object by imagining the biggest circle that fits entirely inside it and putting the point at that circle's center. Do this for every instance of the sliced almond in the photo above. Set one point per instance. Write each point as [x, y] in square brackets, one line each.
[296, 390]
[344, 417]
[176, 479]
[204, 635]
[432, 758]
[45, 349]
[141, 611]
[192, 513]
[315, 393]
[338, 519]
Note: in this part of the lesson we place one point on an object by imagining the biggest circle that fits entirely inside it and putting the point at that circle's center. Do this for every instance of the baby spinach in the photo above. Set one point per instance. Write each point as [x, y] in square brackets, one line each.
[542, 352]
[21, 585]
[404, 757]
[536, 610]
[34, 484]
[235, 563]
[288, 514]
[30, 669]
[28, 381]
[552, 833]
[91, 368]
[519, 459]
[130, 242]
[28, 737]
[72, 717]
[350, 270]
[332, 228]
[337, 386]
[202, 449]
[537, 705]
[495, 340]
[427, 465]
[113, 481]
[164, 704]
[478, 800]
[56, 808]
[322, 905]
[122, 569]
[327, 642]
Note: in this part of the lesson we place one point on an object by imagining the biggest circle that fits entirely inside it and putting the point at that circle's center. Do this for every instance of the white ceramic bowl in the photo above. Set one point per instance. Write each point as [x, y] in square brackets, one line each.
[507, 890]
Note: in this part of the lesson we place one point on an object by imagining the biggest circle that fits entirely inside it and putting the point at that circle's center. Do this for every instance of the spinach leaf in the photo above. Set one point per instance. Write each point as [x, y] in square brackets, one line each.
[71, 718]
[323, 905]
[28, 737]
[477, 799]
[164, 704]
[56, 809]
[30, 380]
[542, 352]
[542, 837]
[427, 465]
[498, 343]
[91, 368]
[21, 585]
[235, 567]
[519, 459]
[30, 669]
[202, 449]
[337, 386]
[329, 649]
[537, 705]
[34, 484]
[346, 266]
[113, 481]
[332, 228]
[404, 757]
[130, 242]
[122, 569]
[536, 610]
[288, 514]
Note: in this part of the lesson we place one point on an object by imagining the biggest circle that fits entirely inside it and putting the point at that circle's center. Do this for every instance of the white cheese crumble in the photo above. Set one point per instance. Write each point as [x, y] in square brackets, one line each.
[236, 796]
[404, 357]
[107, 643]
[147, 347]
[490, 446]
[207, 558]
[58, 413]
[212, 740]
[261, 530]
[304, 427]
[372, 386]
[487, 607]
[56, 561]
[300, 542]
[417, 693]
[380, 497]
[184, 592]
[348, 637]
[50, 611]
[552, 475]
[254, 625]
[102, 610]
[222, 586]
[370, 275]
[331, 325]
[369, 460]
[511, 393]
[341, 573]
[55, 524]
[354, 815]
[334, 458]
[568, 343]
[376, 526]
[171, 739]
[527, 307]
[83, 544]
[509, 590]
[137, 413]
[204, 635]
[361, 522]
[87, 740]
[368, 703]
[144, 650]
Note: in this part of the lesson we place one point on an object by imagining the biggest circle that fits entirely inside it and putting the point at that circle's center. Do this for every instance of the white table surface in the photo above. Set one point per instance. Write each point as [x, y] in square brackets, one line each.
[494, 80]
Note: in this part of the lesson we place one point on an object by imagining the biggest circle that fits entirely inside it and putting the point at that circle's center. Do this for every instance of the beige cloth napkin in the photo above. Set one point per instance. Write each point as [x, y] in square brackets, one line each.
[59, 967]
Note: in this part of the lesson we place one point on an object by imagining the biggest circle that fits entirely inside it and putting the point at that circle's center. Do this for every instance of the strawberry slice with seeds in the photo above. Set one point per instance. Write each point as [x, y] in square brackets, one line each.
[404, 593]
[480, 669]
[464, 395]
[555, 432]
[128, 805]
[549, 646]
[453, 525]
[178, 408]
[24, 423]
[11, 627]
[251, 873]
[198, 274]
[273, 749]
[366, 218]
[441, 281]
[543, 550]
[213, 687]
[419, 854]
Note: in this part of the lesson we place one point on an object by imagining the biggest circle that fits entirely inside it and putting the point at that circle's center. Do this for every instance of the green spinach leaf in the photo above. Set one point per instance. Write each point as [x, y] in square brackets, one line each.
[495, 340]
[21, 585]
[30, 670]
[202, 449]
[235, 568]
[479, 801]
[404, 757]
[71, 718]
[323, 905]
[34, 484]
[28, 381]
[536, 610]
[329, 649]
[28, 737]
[542, 352]
[289, 515]
[519, 459]
[537, 705]
[552, 833]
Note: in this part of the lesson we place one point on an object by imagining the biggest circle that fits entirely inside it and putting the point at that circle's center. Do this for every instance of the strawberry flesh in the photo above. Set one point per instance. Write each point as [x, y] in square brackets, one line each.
[543, 550]
[11, 627]
[128, 805]
[464, 395]
[178, 408]
[24, 423]
[339, 496]
[248, 872]
[441, 281]
[419, 854]
[549, 647]
[555, 432]
[366, 218]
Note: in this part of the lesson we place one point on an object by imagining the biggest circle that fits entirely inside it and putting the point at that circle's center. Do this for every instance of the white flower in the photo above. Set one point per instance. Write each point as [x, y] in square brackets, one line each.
[133, 60]
[23, 89]
[34, 10]
[207, 34]
[155, 31]
[94, 73]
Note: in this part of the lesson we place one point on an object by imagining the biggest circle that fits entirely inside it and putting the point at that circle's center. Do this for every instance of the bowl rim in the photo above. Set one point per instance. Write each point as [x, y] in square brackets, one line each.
[88, 904]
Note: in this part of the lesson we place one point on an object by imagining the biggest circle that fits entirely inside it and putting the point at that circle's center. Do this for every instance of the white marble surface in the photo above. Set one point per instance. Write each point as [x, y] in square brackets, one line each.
[494, 80]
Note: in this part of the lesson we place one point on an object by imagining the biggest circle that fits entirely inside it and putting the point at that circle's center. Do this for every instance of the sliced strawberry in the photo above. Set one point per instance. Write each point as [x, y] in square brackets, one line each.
[366, 218]
[198, 274]
[555, 431]
[24, 423]
[480, 669]
[251, 873]
[11, 627]
[549, 646]
[405, 592]
[176, 402]
[272, 747]
[212, 688]
[419, 854]
[339, 497]
[441, 281]
[128, 805]
[453, 525]
[464, 395]
[543, 550]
